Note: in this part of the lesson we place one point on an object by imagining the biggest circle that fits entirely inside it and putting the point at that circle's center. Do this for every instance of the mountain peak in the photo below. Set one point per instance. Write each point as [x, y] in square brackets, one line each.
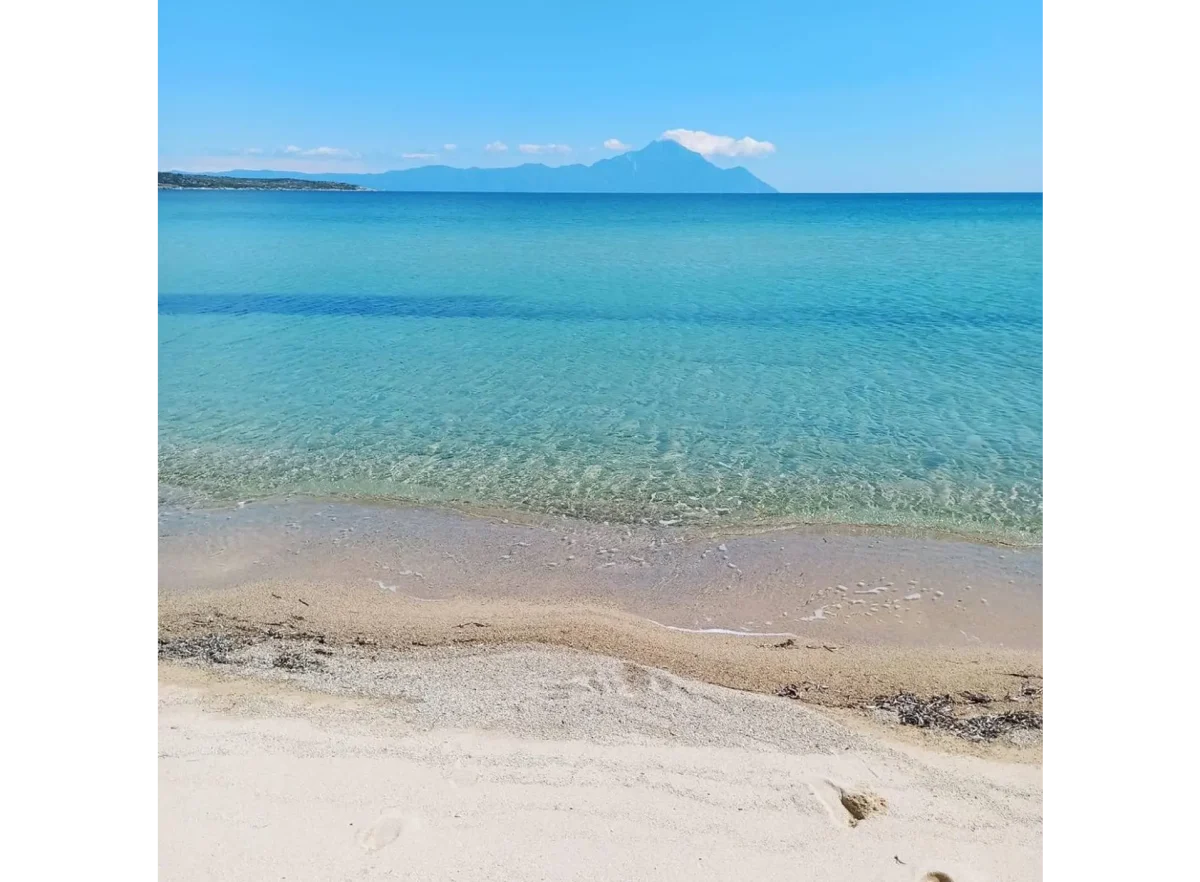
[666, 150]
[666, 147]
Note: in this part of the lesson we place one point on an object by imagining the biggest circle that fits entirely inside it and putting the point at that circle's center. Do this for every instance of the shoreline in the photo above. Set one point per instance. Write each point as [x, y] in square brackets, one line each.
[835, 620]
[715, 526]
[359, 691]
[162, 187]
[843, 585]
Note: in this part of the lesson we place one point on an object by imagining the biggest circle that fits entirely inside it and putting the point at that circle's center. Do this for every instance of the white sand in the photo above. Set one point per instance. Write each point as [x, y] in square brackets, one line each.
[524, 764]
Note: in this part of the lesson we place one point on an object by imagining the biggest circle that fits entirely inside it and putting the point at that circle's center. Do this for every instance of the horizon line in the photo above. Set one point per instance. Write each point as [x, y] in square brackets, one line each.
[155, 171]
[595, 192]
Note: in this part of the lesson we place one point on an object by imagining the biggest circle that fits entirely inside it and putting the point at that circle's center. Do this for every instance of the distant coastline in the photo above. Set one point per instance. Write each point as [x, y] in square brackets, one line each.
[659, 167]
[177, 181]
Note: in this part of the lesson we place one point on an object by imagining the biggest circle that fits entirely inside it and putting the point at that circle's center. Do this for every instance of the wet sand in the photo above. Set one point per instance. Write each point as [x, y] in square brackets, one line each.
[833, 619]
[847, 585]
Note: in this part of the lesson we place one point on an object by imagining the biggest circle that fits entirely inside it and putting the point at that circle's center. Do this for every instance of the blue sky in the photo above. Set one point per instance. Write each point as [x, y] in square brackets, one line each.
[810, 96]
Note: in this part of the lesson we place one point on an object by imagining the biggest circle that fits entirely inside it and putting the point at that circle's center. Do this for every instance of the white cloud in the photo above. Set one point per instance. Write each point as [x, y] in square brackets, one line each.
[332, 152]
[449, 148]
[419, 155]
[615, 144]
[495, 147]
[319, 152]
[545, 148]
[718, 145]
[253, 151]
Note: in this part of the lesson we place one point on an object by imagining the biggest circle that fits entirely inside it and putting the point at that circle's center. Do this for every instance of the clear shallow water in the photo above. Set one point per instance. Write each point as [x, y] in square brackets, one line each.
[860, 359]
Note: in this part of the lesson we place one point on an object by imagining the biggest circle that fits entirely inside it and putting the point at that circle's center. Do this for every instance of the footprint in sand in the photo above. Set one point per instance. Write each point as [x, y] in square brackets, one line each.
[957, 874]
[386, 830]
[846, 806]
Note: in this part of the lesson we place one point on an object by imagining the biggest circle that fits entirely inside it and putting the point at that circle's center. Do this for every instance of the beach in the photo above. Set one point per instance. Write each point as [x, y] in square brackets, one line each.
[885, 613]
[381, 693]
[532, 763]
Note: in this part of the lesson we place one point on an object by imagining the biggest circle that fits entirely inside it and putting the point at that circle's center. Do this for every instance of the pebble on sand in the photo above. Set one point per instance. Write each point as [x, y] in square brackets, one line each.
[913, 597]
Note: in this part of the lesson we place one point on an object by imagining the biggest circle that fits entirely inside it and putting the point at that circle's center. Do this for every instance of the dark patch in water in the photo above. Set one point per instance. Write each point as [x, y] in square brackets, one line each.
[456, 307]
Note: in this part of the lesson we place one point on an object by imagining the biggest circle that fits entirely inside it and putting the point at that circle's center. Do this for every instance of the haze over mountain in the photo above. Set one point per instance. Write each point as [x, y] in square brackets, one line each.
[659, 167]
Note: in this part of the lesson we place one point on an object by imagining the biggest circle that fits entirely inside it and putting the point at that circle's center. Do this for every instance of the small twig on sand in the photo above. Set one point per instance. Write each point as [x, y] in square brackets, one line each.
[867, 767]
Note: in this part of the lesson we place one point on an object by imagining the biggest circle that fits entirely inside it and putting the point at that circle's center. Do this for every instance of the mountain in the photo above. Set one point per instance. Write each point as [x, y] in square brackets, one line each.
[185, 181]
[659, 167]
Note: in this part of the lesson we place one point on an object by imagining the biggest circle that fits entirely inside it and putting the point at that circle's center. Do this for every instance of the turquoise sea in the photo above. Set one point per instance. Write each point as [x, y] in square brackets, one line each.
[693, 359]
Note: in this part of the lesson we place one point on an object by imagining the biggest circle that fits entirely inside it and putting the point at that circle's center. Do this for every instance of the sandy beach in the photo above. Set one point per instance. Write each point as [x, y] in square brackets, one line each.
[354, 692]
[532, 763]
